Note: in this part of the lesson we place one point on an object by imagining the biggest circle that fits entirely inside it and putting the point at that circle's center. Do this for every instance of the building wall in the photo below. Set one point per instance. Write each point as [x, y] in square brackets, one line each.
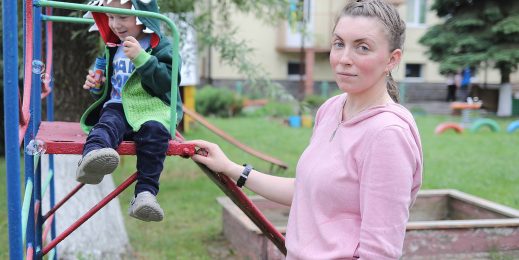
[264, 38]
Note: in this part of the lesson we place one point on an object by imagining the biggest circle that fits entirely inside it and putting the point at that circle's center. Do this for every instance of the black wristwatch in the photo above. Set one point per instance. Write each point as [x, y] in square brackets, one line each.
[244, 175]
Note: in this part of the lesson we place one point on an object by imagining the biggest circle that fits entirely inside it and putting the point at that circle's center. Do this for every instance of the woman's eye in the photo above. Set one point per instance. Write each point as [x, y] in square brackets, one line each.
[363, 48]
[338, 45]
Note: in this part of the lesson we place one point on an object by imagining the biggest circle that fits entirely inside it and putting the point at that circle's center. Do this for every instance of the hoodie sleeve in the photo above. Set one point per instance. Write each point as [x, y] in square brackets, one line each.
[386, 181]
[155, 69]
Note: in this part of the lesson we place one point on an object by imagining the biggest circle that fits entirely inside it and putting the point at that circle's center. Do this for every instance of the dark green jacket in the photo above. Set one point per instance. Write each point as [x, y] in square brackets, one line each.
[147, 93]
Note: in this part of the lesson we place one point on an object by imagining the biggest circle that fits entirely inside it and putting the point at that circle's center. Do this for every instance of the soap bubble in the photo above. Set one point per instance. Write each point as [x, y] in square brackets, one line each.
[36, 147]
[46, 78]
[38, 67]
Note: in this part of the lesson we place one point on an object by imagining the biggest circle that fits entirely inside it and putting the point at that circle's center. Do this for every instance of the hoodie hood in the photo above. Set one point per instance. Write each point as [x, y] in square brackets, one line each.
[393, 108]
[151, 25]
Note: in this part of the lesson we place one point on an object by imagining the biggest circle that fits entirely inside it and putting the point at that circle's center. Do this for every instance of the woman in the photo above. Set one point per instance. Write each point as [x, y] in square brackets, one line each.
[361, 172]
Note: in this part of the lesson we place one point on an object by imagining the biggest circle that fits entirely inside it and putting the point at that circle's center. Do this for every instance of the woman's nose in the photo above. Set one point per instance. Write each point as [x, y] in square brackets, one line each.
[345, 57]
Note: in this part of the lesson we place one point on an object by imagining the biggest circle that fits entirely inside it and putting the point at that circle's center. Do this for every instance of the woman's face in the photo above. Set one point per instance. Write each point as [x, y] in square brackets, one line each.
[360, 56]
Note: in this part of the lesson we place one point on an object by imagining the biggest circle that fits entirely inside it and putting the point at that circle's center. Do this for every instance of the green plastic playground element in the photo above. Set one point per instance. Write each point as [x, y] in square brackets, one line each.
[66, 19]
[46, 184]
[171, 25]
[476, 125]
[25, 207]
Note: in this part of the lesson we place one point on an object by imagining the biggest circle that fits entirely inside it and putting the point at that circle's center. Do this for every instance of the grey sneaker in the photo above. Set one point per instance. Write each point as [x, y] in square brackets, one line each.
[96, 164]
[145, 207]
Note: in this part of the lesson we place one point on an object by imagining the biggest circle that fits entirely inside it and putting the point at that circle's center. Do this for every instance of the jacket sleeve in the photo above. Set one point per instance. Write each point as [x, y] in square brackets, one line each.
[155, 70]
[386, 181]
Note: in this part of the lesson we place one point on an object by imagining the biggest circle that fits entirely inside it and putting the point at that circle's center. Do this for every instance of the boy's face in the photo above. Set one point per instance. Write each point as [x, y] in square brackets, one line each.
[124, 25]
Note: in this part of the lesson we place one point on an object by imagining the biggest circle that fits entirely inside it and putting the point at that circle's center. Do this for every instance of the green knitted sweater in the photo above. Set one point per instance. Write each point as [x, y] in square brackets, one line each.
[146, 95]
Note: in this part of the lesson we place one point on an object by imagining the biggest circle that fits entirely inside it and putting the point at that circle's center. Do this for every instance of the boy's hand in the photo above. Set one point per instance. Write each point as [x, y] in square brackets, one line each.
[132, 48]
[90, 81]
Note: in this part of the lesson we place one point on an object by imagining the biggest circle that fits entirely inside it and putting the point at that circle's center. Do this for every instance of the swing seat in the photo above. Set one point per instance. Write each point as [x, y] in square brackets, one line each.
[69, 138]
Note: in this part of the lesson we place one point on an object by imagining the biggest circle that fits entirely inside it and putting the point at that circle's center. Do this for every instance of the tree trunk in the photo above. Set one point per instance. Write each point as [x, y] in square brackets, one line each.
[74, 51]
[103, 236]
[505, 93]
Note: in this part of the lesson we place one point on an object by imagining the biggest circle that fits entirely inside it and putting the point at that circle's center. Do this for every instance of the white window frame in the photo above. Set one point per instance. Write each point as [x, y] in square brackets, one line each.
[416, 11]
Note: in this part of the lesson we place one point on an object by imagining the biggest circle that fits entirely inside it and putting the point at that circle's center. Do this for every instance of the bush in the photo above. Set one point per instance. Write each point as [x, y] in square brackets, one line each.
[274, 109]
[314, 101]
[218, 101]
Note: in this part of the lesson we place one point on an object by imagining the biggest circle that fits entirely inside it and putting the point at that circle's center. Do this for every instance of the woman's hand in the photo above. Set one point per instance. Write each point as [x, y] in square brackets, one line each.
[215, 159]
[131, 47]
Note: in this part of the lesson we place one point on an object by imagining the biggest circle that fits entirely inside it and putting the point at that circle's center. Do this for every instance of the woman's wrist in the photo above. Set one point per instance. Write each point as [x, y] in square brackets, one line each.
[233, 170]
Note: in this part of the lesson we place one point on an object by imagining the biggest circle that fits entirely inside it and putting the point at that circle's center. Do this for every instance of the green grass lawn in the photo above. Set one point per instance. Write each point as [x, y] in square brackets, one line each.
[484, 164]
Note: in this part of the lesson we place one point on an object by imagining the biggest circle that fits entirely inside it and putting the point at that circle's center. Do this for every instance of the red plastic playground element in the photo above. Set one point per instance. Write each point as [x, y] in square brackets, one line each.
[68, 138]
[448, 125]
[199, 118]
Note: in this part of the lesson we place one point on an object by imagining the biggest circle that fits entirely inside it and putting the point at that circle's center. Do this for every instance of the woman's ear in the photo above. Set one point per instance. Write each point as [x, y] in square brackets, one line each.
[394, 59]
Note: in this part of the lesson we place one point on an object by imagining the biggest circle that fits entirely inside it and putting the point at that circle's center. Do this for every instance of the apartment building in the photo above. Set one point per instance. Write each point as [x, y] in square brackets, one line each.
[278, 50]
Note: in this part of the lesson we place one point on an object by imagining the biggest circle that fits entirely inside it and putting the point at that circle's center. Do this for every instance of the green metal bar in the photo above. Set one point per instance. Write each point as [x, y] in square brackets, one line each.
[66, 19]
[52, 253]
[174, 32]
[48, 179]
[25, 207]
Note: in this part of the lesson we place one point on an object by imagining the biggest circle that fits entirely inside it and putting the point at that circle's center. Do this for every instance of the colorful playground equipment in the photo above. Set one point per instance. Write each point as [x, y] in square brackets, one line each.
[481, 122]
[468, 111]
[513, 126]
[22, 117]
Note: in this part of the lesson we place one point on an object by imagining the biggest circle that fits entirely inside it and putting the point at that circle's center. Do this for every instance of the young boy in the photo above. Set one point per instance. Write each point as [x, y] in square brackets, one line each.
[133, 103]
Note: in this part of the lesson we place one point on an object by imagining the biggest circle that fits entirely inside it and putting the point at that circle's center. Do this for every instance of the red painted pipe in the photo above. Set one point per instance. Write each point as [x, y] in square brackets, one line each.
[26, 101]
[48, 224]
[30, 252]
[90, 213]
[62, 201]
[48, 53]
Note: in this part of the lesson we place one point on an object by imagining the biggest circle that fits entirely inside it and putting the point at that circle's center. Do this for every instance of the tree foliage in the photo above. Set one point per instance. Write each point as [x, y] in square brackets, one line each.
[475, 32]
[75, 48]
[215, 29]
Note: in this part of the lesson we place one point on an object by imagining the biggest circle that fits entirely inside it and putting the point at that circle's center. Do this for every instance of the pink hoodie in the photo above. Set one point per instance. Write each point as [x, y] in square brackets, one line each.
[354, 187]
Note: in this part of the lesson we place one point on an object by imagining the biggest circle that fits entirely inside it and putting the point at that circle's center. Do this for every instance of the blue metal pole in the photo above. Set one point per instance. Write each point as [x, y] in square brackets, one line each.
[11, 122]
[52, 195]
[36, 119]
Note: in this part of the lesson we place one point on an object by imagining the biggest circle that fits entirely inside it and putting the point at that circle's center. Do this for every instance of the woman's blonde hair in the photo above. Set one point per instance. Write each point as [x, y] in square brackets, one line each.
[387, 14]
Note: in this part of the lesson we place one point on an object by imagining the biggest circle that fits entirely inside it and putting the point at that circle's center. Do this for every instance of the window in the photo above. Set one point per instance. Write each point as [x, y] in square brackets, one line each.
[413, 71]
[294, 70]
[416, 12]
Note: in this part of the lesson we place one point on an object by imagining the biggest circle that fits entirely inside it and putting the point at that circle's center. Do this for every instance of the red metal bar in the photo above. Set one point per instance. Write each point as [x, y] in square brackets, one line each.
[90, 213]
[30, 252]
[247, 206]
[200, 119]
[26, 101]
[48, 53]
[48, 225]
[37, 205]
[59, 204]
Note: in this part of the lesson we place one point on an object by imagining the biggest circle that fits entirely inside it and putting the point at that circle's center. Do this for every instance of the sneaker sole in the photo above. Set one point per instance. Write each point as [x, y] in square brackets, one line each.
[95, 167]
[147, 213]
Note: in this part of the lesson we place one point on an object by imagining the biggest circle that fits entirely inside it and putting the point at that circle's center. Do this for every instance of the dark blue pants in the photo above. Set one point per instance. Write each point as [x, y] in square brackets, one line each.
[151, 143]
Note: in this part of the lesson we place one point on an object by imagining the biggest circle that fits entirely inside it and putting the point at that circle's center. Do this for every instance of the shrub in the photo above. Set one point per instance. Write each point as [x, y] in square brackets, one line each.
[218, 101]
[274, 109]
